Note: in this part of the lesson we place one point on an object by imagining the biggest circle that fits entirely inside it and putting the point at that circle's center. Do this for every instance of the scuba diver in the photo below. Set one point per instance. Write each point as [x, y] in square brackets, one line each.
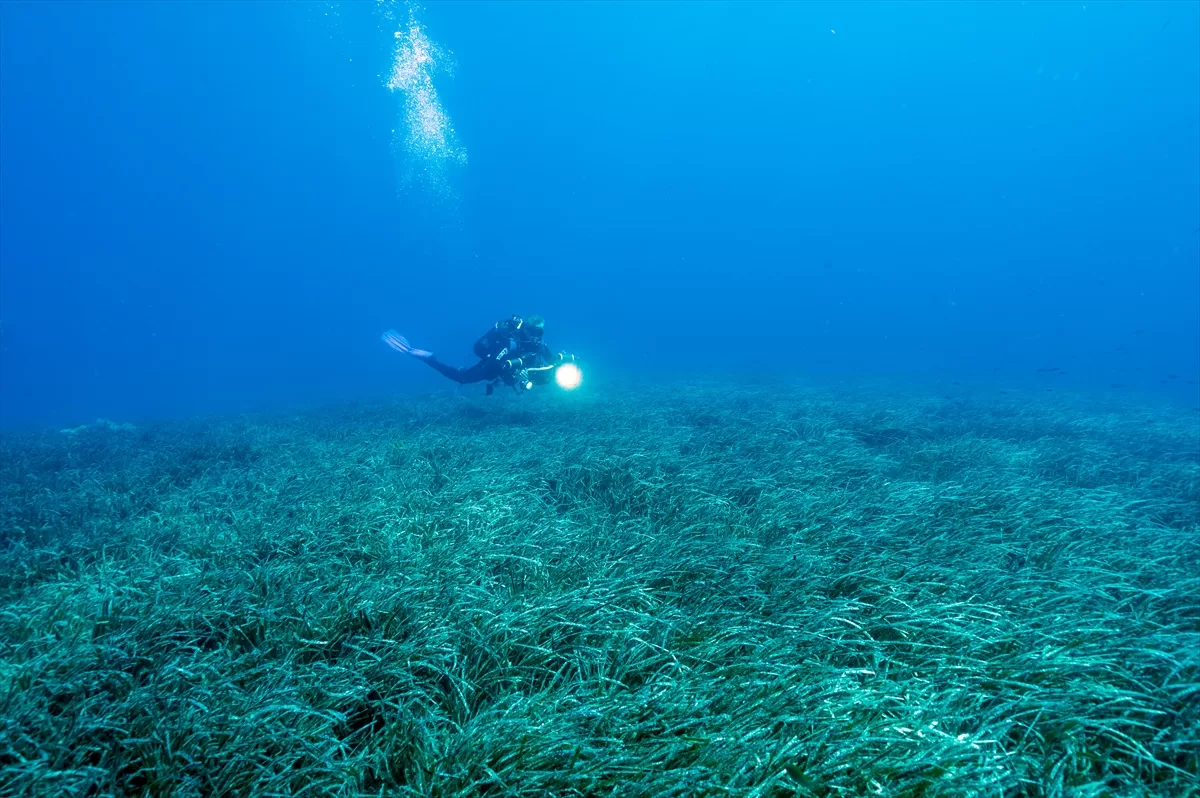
[513, 351]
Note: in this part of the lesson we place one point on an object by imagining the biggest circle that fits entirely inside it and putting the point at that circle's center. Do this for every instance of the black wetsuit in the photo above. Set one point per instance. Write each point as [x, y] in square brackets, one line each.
[505, 342]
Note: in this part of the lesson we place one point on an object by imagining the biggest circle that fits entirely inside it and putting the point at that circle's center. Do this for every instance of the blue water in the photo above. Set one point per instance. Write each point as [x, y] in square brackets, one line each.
[211, 207]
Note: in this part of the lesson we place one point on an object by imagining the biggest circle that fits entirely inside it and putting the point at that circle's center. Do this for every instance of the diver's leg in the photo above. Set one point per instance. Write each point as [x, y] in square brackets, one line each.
[483, 370]
[476, 373]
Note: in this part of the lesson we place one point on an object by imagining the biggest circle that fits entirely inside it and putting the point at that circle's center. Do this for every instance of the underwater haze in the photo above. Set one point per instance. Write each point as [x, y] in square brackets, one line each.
[210, 208]
[883, 476]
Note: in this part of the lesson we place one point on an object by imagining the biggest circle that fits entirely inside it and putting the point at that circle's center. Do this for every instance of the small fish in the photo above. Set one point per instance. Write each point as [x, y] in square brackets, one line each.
[1117, 385]
[1172, 376]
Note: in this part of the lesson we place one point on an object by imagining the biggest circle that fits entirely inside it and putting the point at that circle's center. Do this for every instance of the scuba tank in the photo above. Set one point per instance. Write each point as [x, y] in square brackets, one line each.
[498, 341]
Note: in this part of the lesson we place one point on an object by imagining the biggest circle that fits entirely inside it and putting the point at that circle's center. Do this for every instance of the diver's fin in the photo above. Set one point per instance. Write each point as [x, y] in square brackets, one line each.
[396, 341]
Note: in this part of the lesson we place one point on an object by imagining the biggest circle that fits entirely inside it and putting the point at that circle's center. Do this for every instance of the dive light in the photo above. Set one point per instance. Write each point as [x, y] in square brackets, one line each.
[568, 376]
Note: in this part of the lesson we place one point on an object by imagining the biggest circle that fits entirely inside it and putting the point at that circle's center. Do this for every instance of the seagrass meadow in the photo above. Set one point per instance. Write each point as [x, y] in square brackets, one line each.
[697, 589]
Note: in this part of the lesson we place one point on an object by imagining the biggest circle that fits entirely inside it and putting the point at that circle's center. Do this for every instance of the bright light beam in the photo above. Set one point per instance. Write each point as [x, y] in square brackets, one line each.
[568, 376]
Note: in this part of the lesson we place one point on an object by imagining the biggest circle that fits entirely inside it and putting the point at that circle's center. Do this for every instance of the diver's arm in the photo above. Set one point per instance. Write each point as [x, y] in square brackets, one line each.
[542, 359]
[538, 358]
[540, 375]
[556, 358]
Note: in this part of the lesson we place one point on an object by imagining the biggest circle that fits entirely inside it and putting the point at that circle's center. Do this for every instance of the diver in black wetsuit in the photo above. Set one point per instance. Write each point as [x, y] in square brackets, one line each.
[513, 351]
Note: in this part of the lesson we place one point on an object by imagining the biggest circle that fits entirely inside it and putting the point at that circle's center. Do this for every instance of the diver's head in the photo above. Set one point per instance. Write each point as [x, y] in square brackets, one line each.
[535, 326]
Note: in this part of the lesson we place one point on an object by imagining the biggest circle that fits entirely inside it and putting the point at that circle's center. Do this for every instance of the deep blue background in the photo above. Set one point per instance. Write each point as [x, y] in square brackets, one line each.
[199, 205]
